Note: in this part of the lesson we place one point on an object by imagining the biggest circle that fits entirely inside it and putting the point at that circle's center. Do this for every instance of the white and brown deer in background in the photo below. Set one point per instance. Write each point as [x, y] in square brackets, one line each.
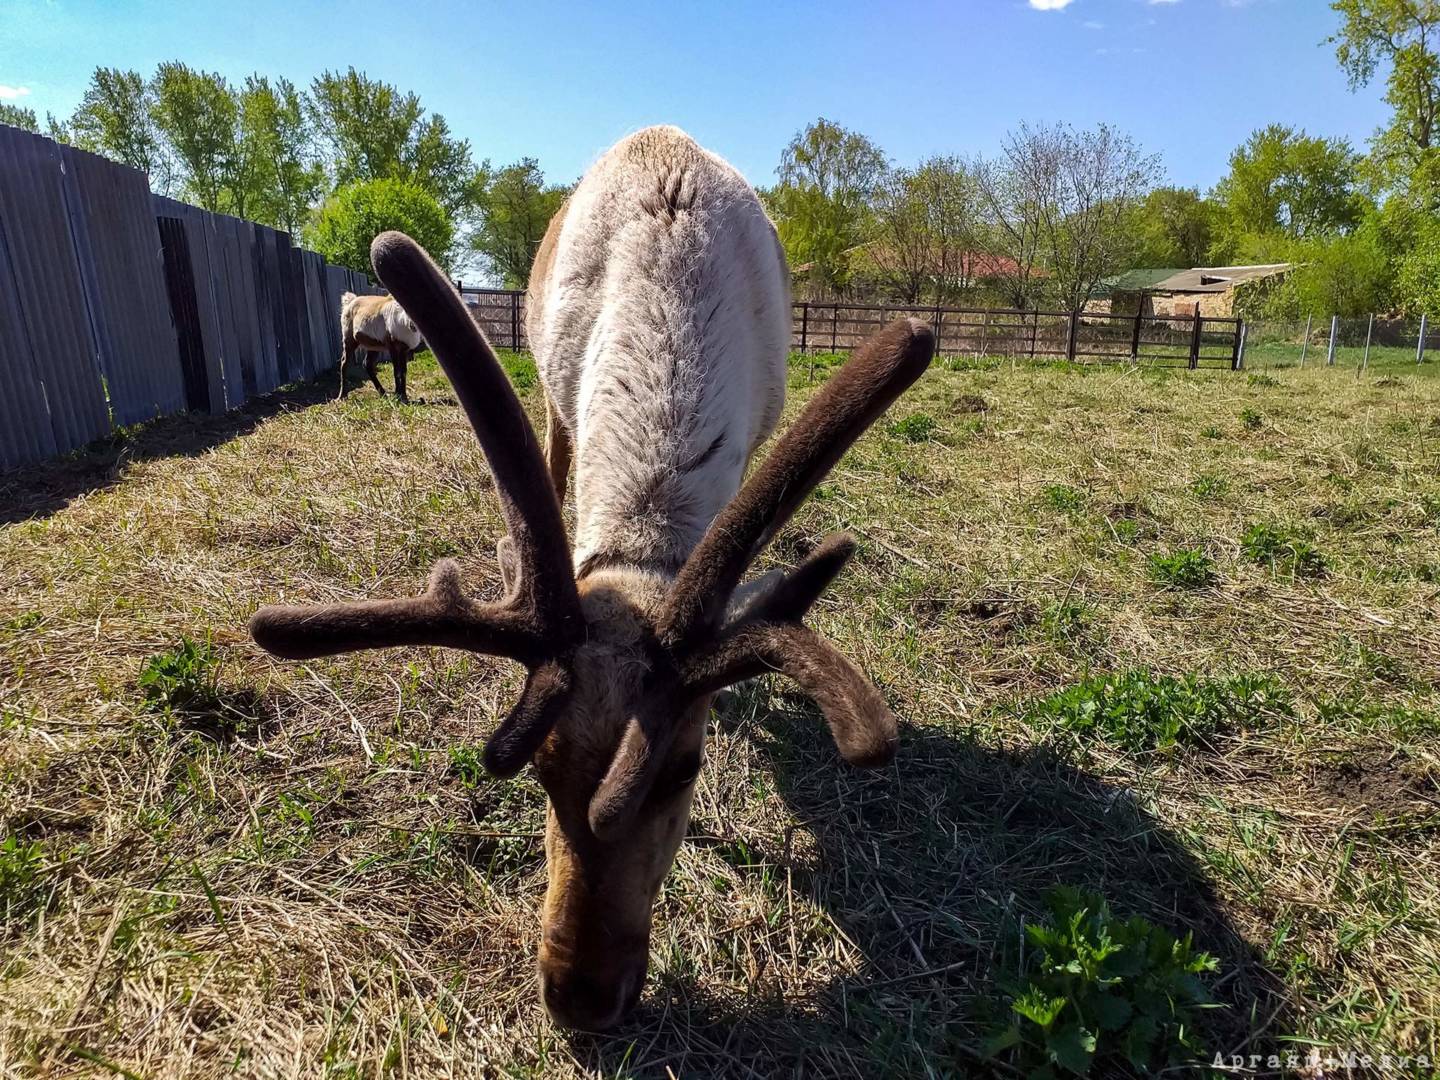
[372, 325]
[659, 315]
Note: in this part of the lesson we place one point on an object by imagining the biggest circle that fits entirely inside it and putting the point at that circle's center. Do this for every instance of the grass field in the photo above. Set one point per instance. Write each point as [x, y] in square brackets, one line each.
[234, 865]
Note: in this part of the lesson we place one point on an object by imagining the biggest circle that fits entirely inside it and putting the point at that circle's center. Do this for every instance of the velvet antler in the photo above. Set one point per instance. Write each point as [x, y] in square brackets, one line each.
[768, 635]
[539, 621]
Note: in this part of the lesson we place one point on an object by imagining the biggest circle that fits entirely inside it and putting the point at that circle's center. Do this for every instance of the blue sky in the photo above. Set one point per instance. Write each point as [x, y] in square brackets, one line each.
[1189, 79]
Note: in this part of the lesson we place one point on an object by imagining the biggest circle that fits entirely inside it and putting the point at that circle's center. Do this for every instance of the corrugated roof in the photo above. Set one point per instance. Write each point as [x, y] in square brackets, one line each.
[1217, 279]
[1135, 280]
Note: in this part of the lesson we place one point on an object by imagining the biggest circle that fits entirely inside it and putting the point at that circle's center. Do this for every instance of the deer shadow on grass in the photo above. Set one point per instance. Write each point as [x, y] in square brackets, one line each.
[928, 868]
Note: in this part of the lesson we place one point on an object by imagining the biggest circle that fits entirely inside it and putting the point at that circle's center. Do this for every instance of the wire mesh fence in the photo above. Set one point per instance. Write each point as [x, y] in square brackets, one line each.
[1358, 342]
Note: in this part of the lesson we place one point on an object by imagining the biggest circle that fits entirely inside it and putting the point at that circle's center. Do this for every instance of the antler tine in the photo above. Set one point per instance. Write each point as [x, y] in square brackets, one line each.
[835, 417]
[527, 497]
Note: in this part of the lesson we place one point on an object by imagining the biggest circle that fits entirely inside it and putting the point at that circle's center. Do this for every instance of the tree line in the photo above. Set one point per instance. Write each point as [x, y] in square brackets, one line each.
[1052, 218]
[335, 162]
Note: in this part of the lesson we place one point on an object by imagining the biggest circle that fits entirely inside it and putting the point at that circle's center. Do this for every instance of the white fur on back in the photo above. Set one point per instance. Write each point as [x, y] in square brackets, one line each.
[661, 333]
[379, 318]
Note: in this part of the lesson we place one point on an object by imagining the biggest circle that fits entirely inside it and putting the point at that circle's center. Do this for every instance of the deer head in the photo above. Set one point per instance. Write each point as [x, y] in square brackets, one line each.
[622, 666]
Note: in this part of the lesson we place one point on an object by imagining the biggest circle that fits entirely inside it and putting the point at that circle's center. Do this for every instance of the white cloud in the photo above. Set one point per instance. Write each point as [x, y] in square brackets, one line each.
[1093, 24]
[10, 93]
[1050, 5]
[1152, 3]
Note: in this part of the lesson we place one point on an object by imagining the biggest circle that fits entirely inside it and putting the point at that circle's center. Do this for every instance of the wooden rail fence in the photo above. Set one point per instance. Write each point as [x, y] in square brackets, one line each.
[118, 306]
[1178, 341]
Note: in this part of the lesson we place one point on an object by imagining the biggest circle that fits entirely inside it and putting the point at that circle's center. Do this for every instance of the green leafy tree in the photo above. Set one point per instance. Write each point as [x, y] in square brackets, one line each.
[1417, 279]
[1401, 36]
[374, 132]
[1174, 227]
[116, 118]
[1284, 183]
[926, 223]
[15, 116]
[355, 214]
[284, 175]
[823, 203]
[515, 207]
[198, 113]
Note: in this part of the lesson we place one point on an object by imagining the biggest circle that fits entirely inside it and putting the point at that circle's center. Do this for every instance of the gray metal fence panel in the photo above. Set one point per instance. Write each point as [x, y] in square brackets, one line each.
[199, 235]
[267, 374]
[25, 431]
[48, 295]
[117, 245]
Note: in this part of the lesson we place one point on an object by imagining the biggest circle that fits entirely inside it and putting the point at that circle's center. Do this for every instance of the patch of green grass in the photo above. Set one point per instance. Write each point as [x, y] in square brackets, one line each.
[182, 677]
[22, 891]
[1141, 711]
[1251, 419]
[1210, 431]
[1063, 498]
[915, 428]
[1184, 568]
[520, 367]
[467, 763]
[1261, 379]
[26, 620]
[1210, 485]
[1282, 548]
[1097, 990]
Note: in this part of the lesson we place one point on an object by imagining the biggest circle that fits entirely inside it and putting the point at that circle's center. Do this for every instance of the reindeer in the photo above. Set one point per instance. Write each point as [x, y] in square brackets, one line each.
[660, 322]
[372, 325]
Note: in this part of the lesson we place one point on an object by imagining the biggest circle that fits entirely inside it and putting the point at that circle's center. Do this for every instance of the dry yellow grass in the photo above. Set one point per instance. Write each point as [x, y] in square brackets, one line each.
[310, 878]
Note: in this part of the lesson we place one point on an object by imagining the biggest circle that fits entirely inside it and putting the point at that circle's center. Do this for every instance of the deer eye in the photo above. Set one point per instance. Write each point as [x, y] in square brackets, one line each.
[679, 776]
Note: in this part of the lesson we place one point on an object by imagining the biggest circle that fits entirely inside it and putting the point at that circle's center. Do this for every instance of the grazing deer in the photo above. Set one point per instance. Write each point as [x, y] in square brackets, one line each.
[660, 321]
[372, 325]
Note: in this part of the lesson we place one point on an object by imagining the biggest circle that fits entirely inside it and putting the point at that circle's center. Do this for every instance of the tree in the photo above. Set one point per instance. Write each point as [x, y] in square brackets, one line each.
[1174, 227]
[375, 132]
[15, 116]
[828, 179]
[1063, 201]
[115, 118]
[1349, 275]
[926, 223]
[274, 136]
[1417, 278]
[1402, 35]
[1284, 182]
[515, 208]
[197, 111]
[355, 214]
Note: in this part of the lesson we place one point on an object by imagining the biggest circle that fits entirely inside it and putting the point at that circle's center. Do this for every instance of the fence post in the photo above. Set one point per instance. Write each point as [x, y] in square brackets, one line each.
[1330, 353]
[1135, 334]
[1070, 344]
[834, 322]
[1305, 345]
[1034, 333]
[984, 334]
[515, 321]
[939, 319]
[1195, 341]
[1238, 347]
[1240, 352]
[804, 325]
[1369, 330]
[1420, 348]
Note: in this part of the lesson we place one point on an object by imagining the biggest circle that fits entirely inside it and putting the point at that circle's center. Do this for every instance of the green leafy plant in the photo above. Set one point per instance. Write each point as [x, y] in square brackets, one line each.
[915, 428]
[467, 765]
[21, 886]
[1184, 568]
[1281, 548]
[1252, 419]
[183, 677]
[1210, 431]
[1142, 711]
[1097, 989]
[1261, 379]
[1063, 498]
[26, 620]
[1210, 485]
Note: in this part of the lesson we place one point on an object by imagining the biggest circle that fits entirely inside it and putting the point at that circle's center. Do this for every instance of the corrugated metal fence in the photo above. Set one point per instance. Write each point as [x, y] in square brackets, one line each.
[118, 306]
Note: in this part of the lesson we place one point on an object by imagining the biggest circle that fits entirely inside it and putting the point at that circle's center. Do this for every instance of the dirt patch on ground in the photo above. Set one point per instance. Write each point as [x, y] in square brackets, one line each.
[1372, 782]
[969, 403]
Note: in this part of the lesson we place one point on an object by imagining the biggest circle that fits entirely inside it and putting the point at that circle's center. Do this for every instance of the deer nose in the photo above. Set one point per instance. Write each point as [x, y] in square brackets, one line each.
[578, 1001]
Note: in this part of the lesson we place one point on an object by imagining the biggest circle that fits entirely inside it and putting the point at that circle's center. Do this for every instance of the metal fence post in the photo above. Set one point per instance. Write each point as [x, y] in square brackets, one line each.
[1237, 348]
[515, 321]
[1240, 351]
[1195, 340]
[1135, 333]
[939, 320]
[1330, 353]
[804, 325]
[1369, 331]
[1070, 344]
[834, 322]
[1420, 347]
[1305, 345]
[1034, 333]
